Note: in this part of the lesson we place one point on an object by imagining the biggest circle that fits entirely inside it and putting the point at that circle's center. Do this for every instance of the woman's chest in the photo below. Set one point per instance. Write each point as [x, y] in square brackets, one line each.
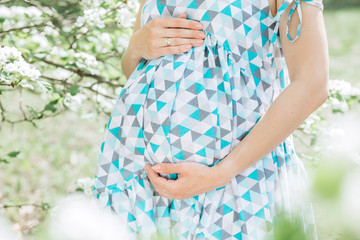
[216, 15]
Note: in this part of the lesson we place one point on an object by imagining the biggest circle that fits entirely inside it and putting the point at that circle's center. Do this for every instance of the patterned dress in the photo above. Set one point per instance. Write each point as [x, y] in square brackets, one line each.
[197, 106]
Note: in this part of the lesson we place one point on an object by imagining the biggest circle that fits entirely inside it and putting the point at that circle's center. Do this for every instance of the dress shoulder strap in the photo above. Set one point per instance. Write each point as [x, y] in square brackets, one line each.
[295, 6]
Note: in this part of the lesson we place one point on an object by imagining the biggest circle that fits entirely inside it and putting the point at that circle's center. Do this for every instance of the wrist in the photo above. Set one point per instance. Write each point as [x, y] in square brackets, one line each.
[223, 172]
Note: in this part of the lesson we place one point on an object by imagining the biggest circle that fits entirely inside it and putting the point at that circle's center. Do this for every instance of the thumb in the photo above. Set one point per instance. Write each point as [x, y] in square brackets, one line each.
[168, 167]
[183, 15]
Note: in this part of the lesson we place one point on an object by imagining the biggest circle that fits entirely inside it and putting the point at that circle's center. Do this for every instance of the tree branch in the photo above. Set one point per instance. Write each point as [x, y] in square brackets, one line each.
[81, 72]
[86, 87]
[21, 28]
[44, 206]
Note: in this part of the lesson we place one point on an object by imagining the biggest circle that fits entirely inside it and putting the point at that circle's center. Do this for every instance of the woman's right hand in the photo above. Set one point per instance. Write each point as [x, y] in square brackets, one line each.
[149, 41]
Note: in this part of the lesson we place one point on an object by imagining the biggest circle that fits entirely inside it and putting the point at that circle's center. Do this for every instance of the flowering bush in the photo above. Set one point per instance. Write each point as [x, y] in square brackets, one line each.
[15, 70]
[76, 46]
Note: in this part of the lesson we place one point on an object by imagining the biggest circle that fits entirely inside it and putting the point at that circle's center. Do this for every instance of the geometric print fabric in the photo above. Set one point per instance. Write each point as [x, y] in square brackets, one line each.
[197, 106]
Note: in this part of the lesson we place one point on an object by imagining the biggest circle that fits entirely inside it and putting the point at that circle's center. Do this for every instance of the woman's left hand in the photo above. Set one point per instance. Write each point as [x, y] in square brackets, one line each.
[193, 179]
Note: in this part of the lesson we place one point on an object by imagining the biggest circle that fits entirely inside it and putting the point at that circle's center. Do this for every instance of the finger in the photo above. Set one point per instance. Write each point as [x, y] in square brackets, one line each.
[182, 15]
[168, 168]
[155, 178]
[164, 51]
[162, 183]
[184, 41]
[150, 172]
[179, 22]
[162, 193]
[183, 33]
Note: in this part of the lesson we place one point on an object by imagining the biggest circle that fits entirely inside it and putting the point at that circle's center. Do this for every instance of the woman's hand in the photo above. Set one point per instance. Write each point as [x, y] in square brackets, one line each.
[193, 179]
[149, 41]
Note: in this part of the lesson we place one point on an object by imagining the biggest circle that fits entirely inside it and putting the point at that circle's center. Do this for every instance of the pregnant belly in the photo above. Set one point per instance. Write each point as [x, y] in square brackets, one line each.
[174, 110]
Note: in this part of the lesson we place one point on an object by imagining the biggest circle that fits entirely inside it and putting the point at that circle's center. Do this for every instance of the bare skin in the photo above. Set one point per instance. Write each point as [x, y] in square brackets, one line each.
[308, 66]
[148, 42]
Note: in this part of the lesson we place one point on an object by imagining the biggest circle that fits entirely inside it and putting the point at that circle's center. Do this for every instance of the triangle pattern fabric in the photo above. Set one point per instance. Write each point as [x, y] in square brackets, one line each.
[197, 106]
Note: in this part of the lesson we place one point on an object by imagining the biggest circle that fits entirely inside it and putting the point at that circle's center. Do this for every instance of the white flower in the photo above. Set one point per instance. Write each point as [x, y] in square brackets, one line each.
[339, 105]
[41, 40]
[90, 3]
[86, 59]
[93, 17]
[341, 86]
[51, 31]
[74, 102]
[19, 12]
[58, 51]
[80, 21]
[12, 62]
[133, 5]
[11, 67]
[122, 43]
[308, 123]
[105, 37]
[28, 71]
[105, 103]
[17, 16]
[7, 54]
[355, 92]
[86, 184]
[24, 83]
[125, 17]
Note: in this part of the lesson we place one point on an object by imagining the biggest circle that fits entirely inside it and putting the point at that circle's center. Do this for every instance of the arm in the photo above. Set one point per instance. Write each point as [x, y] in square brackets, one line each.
[129, 59]
[307, 62]
[147, 41]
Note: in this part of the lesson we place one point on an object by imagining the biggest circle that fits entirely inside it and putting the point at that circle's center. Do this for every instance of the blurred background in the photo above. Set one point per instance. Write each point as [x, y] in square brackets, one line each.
[60, 82]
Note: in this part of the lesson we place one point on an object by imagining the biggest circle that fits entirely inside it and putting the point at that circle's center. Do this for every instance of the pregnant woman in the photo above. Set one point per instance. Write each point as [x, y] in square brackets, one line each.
[199, 144]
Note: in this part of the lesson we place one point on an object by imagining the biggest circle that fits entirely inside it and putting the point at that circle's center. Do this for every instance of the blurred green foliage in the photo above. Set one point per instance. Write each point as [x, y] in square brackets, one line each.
[334, 4]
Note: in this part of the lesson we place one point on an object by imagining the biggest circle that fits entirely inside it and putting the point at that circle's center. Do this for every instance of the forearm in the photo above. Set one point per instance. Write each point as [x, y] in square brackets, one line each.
[130, 59]
[285, 114]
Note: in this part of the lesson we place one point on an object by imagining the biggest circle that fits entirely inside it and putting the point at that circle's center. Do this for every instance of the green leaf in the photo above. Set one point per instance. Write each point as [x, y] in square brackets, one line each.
[33, 111]
[45, 206]
[50, 106]
[313, 141]
[55, 101]
[13, 154]
[45, 86]
[3, 160]
[73, 90]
